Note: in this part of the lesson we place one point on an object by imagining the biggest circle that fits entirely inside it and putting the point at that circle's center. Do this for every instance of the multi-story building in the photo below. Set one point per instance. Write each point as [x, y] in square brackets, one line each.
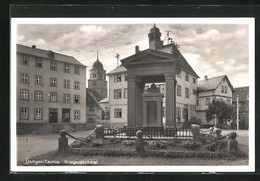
[187, 81]
[51, 87]
[218, 88]
[243, 104]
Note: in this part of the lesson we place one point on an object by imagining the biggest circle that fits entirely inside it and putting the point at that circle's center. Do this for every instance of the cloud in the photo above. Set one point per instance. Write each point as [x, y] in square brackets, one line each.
[210, 49]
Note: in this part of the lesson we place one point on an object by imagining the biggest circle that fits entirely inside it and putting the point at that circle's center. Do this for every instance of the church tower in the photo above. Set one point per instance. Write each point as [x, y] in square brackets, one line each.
[97, 80]
[154, 36]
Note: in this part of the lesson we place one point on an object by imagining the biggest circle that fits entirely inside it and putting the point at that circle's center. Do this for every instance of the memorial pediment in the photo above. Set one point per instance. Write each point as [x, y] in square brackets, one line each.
[149, 56]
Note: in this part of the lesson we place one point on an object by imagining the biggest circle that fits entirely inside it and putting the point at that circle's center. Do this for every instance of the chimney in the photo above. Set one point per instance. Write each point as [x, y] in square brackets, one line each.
[33, 46]
[206, 77]
[137, 49]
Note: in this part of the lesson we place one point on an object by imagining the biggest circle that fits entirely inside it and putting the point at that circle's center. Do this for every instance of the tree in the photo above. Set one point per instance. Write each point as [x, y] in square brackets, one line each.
[221, 109]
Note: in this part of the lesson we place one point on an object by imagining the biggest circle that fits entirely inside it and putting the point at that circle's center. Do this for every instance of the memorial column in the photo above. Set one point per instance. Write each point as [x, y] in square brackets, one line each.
[170, 100]
[131, 100]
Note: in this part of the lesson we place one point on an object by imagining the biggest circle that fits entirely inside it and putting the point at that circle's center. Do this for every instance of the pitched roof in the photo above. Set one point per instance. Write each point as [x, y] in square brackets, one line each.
[94, 93]
[242, 92]
[183, 62]
[91, 101]
[45, 54]
[104, 100]
[212, 83]
[118, 69]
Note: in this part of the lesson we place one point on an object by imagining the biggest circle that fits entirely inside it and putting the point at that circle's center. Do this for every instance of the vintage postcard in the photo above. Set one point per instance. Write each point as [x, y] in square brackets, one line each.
[132, 95]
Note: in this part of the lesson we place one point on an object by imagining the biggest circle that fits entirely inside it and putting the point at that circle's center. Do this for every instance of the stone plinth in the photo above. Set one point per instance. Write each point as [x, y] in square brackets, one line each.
[195, 131]
[99, 131]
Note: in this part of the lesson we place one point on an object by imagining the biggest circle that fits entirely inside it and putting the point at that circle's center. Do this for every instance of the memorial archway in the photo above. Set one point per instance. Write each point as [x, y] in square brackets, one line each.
[150, 66]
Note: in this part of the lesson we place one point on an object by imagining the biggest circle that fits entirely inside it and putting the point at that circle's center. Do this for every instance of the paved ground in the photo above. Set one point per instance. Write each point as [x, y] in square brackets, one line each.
[32, 145]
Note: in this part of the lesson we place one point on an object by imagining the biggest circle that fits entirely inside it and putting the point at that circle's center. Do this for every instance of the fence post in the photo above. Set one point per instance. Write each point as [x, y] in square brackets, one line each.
[99, 131]
[63, 142]
[195, 131]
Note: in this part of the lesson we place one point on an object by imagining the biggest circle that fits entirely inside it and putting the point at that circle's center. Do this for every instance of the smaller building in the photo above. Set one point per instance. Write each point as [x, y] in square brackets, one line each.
[243, 104]
[218, 88]
[93, 110]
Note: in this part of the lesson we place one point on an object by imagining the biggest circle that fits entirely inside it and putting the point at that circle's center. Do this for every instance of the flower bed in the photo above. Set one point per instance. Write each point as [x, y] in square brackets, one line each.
[209, 146]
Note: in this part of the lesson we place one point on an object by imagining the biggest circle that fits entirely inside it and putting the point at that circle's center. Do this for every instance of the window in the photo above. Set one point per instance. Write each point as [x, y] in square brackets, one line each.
[178, 113]
[194, 80]
[125, 93]
[179, 75]
[117, 94]
[187, 77]
[24, 94]
[125, 76]
[187, 93]
[38, 95]
[118, 113]
[53, 66]
[66, 98]
[66, 84]
[38, 63]
[24, 113]
[76, 99]
[91, 109]
[38, 114]
[94, 76]
[76, 115]
[194, 92]
[66, 68]
[197, 102]
[222, 89]
[178, 90]
[225, 89]
[117, 78]
[25, 60]
[53, 82]
[53, 97]
[38, 80]
[207, 101]
[24, 78]
[76, 70]
[192, 108]
[76, 84]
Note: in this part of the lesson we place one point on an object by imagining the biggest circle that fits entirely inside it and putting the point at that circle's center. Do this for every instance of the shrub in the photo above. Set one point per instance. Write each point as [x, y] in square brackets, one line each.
[157, 145]
[127, 143]
[97, 143]
[191, 145]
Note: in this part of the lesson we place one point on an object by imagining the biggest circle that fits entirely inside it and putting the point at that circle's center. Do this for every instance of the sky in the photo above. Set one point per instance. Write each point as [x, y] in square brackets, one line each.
[210, 49]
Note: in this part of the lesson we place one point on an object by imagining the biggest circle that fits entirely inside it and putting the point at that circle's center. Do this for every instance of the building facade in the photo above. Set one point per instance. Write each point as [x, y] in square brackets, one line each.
[243, 104]
[218, 88]
[50, 87]
[186, 82]
[93, 110]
